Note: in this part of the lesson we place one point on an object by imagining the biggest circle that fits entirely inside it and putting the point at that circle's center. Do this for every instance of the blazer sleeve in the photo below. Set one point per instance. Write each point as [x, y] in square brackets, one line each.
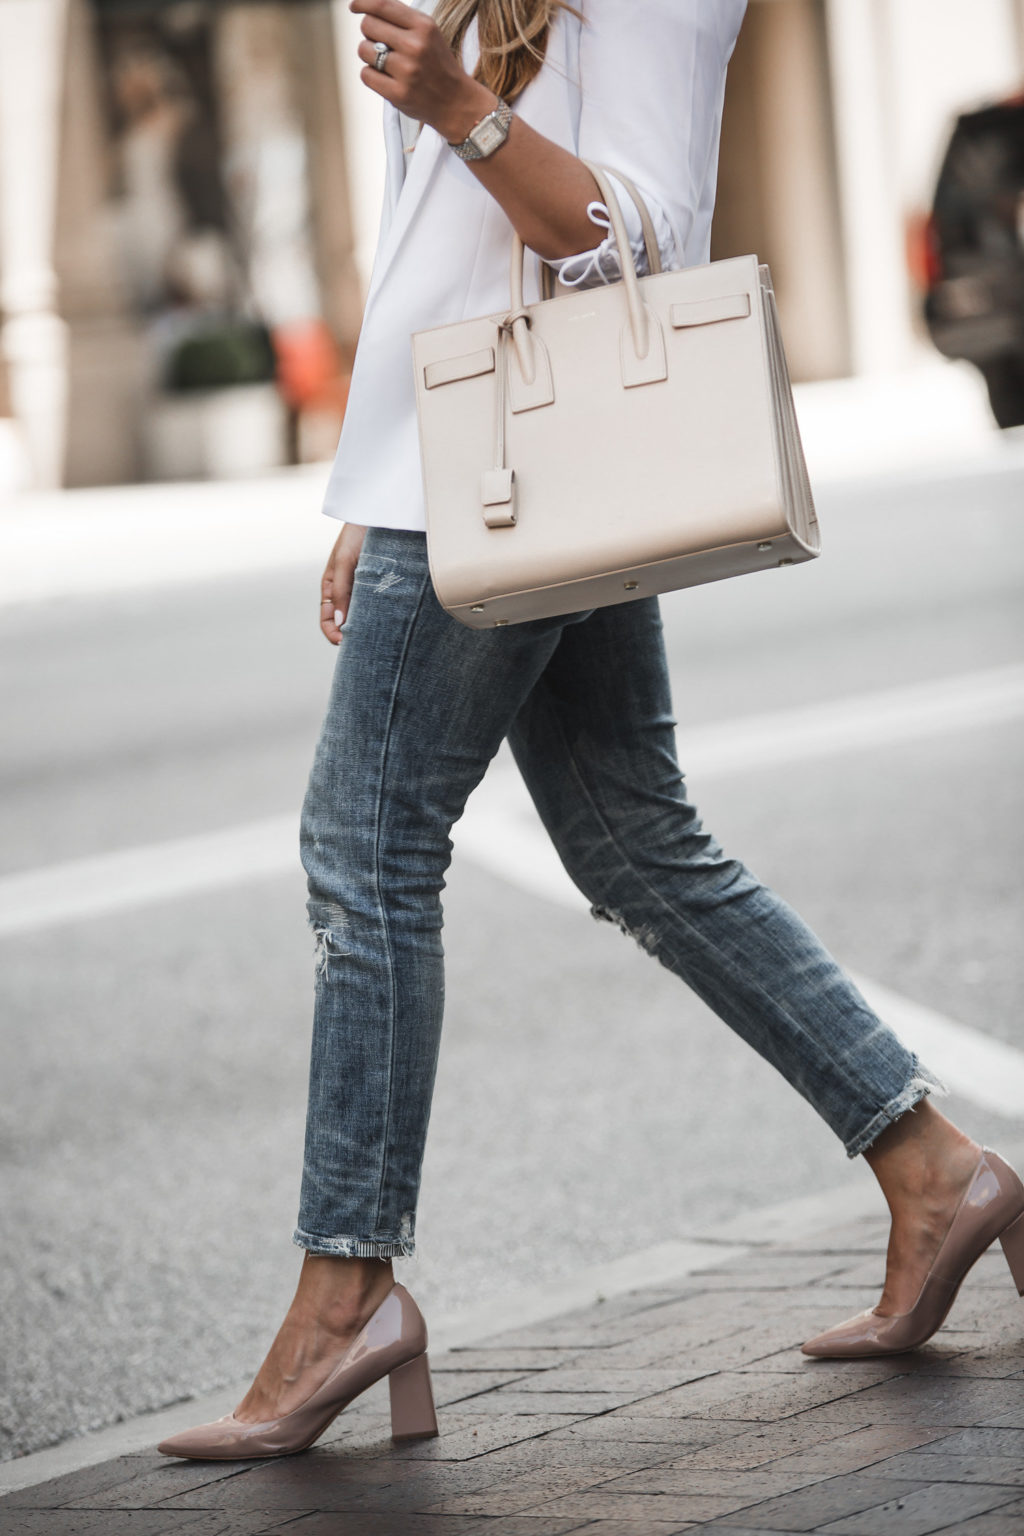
[652, 82]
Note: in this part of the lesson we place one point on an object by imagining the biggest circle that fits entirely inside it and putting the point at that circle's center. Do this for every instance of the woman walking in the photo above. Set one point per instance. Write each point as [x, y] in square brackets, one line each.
[489, 105]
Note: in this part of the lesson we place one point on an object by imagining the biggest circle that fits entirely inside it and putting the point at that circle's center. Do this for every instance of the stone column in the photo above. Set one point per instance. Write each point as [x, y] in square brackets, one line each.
[878, 289]
[33, 339]
[287, 176]
[107, 370]
[939, 67]
[333, 231]
[361, 111]
[777, 179]
[901, 71]
[266, 157]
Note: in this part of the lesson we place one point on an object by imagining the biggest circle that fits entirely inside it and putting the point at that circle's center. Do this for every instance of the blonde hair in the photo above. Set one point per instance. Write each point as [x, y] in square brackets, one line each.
[513, 37]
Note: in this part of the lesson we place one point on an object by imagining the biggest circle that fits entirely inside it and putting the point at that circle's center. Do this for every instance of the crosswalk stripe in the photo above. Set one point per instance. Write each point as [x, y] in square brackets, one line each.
[91, 887]
[884, 717]
[504, 837]
[500, 832]
[133, 877]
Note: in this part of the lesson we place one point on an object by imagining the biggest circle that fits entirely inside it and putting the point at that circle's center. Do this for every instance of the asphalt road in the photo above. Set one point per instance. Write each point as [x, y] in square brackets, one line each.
[154, 1060]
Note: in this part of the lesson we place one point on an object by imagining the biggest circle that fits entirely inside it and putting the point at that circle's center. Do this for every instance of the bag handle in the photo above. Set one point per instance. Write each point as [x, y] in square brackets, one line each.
[497, 484]
[517, 320]
[646, 222]
[548, 281]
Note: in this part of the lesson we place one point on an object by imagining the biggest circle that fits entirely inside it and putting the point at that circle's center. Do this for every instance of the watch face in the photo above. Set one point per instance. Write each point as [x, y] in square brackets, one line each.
[488, 135]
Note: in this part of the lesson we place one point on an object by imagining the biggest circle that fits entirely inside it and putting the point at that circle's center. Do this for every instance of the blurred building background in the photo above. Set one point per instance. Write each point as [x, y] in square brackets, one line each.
[190, 192]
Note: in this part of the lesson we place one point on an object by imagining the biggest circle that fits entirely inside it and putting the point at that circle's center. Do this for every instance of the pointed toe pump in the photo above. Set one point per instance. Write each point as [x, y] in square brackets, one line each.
[393, 1344]
[992, 1207]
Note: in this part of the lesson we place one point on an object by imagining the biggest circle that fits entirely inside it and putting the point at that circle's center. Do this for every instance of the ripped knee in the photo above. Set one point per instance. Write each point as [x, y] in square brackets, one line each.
[329, 925]
[646, 935]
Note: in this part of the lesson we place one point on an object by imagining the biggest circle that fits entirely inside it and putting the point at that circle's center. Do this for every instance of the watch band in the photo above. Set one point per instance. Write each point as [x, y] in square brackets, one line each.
[487, 135]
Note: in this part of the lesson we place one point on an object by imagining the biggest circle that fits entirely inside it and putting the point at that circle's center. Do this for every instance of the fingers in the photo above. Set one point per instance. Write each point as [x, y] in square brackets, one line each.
[409, 49]
[380, 83]
[342, 576]
[388, 10]
[330, 626]
[384, 81]
[375, 31]
[337, 580]
[331, 616]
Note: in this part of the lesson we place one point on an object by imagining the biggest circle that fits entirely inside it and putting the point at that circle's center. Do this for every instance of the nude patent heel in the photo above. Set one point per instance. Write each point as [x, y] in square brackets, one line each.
[412, 1401]
[1013, 1247]
[393, 1344]
[992, 1207]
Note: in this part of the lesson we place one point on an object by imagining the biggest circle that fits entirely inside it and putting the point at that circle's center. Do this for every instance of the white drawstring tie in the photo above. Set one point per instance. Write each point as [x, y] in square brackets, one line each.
[603, 262]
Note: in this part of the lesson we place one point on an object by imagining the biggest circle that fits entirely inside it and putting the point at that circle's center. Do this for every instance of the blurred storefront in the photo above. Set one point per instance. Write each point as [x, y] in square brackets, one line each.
[190, 194]
[178, 286]
[837, 114]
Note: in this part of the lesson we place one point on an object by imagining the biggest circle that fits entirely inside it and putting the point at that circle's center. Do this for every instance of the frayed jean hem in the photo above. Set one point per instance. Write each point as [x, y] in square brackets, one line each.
[922, 1083]
[355, 1247]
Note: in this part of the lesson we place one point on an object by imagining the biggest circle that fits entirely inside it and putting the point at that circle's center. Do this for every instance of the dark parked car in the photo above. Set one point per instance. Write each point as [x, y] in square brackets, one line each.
[974, 253]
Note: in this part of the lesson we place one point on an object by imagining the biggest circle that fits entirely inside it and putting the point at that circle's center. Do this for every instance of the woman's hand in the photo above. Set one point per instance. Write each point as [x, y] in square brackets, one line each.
[543, 188]
[422, 76]
[336, 582]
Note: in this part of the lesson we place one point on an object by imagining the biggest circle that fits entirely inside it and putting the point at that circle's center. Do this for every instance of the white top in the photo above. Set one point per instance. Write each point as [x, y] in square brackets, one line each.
[638, 88]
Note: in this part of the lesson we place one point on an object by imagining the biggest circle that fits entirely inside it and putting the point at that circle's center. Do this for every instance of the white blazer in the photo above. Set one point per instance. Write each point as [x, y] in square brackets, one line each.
[635, 86]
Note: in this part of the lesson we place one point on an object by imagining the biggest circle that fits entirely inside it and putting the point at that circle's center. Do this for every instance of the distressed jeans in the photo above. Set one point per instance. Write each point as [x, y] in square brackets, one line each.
[419, 706]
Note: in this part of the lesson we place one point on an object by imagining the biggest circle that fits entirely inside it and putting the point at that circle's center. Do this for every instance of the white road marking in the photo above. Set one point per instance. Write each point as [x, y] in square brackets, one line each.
[501, 833]
[84, 888]
[91, 887]
[133, 877]
[983, 1069]
[885, 717]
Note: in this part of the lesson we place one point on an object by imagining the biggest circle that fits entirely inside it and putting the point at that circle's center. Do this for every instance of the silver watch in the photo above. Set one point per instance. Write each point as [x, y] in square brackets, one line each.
[488, 134]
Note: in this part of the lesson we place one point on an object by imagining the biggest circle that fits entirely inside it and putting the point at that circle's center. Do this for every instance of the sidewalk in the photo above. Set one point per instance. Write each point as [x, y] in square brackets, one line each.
[680, 1406]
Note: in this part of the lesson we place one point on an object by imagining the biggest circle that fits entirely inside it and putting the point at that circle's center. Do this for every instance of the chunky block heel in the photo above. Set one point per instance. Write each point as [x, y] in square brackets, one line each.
[993, 1199]
[1013, 1246]
[412, 1401]
[392, 1343]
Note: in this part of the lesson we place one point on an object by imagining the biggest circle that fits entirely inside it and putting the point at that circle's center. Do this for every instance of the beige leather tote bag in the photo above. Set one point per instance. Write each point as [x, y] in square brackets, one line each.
[611, 442]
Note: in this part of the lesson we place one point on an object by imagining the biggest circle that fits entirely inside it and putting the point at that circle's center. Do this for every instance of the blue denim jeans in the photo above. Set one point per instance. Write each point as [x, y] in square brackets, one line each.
[419, 707]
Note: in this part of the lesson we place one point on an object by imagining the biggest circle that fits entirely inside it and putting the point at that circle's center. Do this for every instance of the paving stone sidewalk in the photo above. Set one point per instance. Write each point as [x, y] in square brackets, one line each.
[672, 1409]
